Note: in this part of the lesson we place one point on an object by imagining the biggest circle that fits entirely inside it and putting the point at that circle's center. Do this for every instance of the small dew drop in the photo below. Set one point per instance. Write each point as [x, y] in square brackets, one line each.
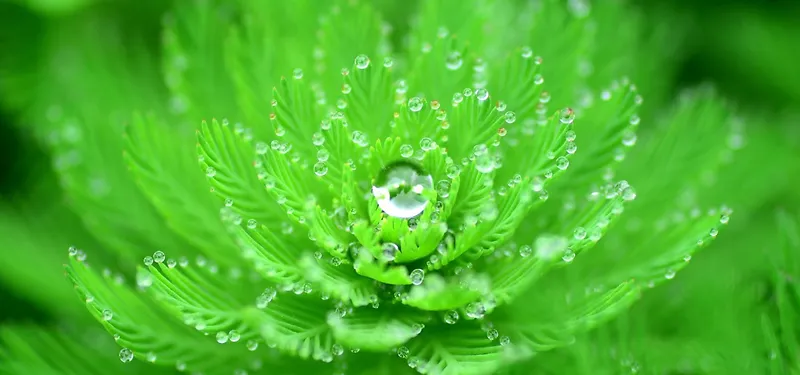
[562, 163]
[159, 256]
[454, 60]
[417, 276]
[451, 317]
[320, 169]
[107, 314]
[125, 355]
[415, 104]
[362, 61]
[390, 251]
[252, 345]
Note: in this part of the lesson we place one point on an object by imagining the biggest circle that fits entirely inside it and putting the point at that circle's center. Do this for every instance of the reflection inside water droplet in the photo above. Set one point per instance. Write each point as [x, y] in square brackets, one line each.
[399, 188]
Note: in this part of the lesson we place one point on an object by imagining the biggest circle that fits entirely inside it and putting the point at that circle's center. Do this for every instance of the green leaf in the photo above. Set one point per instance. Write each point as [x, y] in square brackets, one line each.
[376, 330]
[198, 295]
[226, 157]
[368, 266]
[142, 328]
[296, 107]
[339, 281]
[253, 47]
[158, 162]
[368, 98]
[29, 349]
[194, 60]
[475, 123]
[297, 325]
[670, 245]
[274, 256]
[438, 293]
[608, 128]
[347, 30]
[460, 349]
[582, 315]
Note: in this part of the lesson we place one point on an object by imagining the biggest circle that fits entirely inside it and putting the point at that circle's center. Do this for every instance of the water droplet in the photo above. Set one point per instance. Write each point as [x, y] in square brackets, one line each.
[457, 98]
[148, 261]
[505, 340]
[427, 144]
[417, 276]
[579, 233]
[562, 163]
[359, 138]
[443, 188]
[526, 52]
[629, 138]
[337, 350]
[670, 274]
[403, 352]
[568, 256]
[399, 190]
[713, 232]
[362, 61]
[454, 60]
[451, 317]
[415, 104]
[222, 337]
[525, 251]
[388, 62]
[567, 116]
[510, 117]
[234, 336]
[390, 251]
[211, 172]
[252, 345]
[297, 73]
[151, 357]
[320, 169]
[452, 171]
[159, 256]
[107, 314]
[492, 334]
[125, 355]
[482, 94]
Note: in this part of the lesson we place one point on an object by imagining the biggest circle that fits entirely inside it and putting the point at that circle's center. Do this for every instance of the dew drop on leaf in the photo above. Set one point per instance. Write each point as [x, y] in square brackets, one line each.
[399, 189]
[125, 355]
[417, 276]
[454, 60]
[320, 169]
[362, 61]
[390, 251]
[415, 104]
[451, 317]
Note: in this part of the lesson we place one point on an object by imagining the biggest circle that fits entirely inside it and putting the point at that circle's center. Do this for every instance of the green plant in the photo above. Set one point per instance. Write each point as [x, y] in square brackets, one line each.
[447, 204]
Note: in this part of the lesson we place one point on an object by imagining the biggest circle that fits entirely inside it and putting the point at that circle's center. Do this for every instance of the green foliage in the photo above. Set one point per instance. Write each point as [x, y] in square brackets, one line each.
[311, 192]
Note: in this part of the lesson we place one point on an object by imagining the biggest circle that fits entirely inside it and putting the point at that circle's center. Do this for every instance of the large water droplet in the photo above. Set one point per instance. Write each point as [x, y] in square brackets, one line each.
[399, 190]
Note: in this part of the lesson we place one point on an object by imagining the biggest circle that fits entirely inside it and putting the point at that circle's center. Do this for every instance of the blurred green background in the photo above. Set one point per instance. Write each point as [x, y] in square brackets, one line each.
[749, 50]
